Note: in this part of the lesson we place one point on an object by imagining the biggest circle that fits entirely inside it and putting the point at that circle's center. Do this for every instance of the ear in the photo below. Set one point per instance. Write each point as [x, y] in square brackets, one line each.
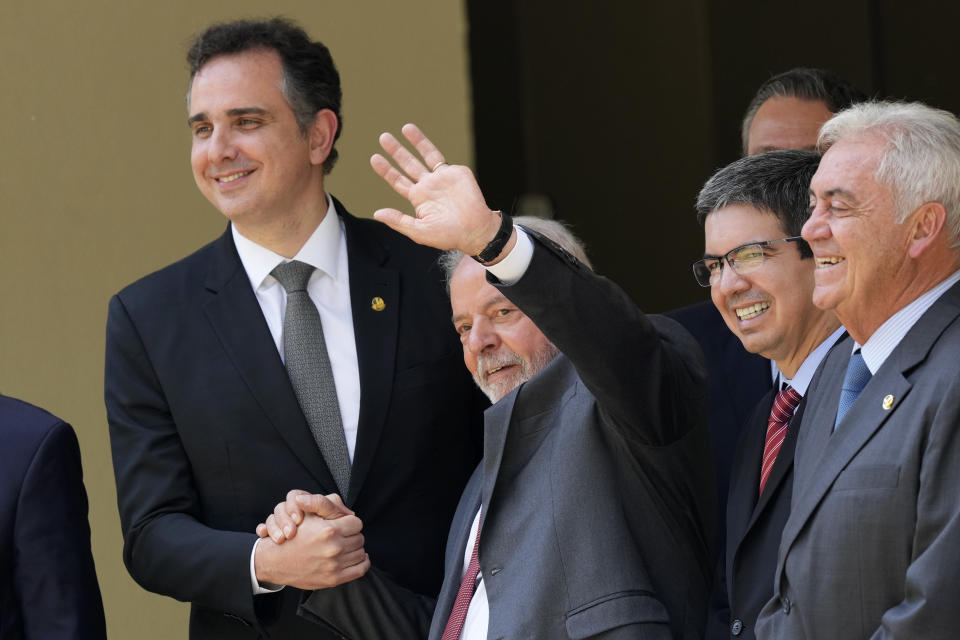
[927, 222]
[321, 135]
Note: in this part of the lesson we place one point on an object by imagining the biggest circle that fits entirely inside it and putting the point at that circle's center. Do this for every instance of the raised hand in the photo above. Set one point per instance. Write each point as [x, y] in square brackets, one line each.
[449, 209]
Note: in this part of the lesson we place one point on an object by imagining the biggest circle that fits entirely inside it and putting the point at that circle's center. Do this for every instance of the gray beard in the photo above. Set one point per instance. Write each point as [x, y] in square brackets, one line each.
[497, 390]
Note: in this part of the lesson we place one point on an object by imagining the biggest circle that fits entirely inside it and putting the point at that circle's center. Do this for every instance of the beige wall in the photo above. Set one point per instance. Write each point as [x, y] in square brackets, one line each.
[95, 188]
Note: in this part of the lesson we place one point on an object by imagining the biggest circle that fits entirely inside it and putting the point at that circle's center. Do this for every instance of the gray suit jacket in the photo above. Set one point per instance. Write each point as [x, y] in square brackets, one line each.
[596, 479]
[871, 546]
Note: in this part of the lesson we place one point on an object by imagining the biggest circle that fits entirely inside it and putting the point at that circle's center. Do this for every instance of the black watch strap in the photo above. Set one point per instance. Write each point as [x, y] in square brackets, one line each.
[493, 249]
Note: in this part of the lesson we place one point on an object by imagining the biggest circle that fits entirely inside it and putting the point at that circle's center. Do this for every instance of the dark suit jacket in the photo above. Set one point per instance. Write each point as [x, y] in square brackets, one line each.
[596, 477]
[870, 549]
[754, 525]
[208, 436]
[48, 586]
[738, 380]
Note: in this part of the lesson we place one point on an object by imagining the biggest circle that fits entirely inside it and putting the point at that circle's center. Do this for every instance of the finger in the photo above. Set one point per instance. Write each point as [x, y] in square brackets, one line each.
[431, 155]
[352, 543]
[408, 163]
[296, 513]
[346, 560]
[356, 571]
[338, 501]
[399, 222]
[284, 521]
[321, 506]
[262, 530]
[347, 525]
[400, 183]
[274, 530]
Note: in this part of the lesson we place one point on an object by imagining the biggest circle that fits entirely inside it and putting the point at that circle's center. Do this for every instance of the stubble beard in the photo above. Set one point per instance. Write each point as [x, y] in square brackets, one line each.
[496, 390]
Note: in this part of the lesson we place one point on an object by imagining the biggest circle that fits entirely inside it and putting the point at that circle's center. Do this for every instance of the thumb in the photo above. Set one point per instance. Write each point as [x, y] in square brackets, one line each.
[338, 502]
[322, 506]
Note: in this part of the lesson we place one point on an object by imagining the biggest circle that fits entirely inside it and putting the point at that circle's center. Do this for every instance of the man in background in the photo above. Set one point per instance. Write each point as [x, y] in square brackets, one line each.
[48, 585]
[760, 274]
[304, 348]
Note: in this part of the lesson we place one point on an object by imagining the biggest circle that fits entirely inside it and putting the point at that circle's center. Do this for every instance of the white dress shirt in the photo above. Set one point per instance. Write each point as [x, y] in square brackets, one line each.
[801, 379]
[329, 289]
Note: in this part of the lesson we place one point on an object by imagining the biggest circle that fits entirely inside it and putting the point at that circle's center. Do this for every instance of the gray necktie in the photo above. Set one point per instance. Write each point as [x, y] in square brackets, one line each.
[311, 375]
[857, 377]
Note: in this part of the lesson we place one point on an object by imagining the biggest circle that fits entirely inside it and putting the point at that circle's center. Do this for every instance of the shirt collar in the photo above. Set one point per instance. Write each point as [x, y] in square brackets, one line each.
[801, 379]
[885, 339]
[321, 250]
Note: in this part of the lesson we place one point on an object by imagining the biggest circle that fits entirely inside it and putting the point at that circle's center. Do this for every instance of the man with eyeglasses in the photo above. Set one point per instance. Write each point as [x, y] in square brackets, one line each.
[760, 275]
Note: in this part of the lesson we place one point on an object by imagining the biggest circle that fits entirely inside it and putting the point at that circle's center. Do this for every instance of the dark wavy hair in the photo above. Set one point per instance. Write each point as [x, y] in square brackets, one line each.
[310, 79]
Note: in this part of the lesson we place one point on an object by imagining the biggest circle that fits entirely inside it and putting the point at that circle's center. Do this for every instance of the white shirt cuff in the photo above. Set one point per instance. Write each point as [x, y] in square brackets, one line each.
[515, 264]
[259, 587]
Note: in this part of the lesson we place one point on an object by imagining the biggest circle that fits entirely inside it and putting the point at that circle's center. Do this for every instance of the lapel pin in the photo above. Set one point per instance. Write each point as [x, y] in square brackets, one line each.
[888, 402]
[377, 304]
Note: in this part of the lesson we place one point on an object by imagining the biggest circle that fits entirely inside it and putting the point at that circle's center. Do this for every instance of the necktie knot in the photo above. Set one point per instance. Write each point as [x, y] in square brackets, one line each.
[858, 375]
[780, 414]
[293, 276]
[785, 404]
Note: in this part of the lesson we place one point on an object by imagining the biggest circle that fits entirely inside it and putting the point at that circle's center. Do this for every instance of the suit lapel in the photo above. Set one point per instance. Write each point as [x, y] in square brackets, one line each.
[496, 423]
[238, 321]
[375, 333]
[745, 480]
[521, 412]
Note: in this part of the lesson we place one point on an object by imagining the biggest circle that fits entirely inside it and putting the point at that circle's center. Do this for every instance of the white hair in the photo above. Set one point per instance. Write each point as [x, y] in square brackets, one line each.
[921, 162]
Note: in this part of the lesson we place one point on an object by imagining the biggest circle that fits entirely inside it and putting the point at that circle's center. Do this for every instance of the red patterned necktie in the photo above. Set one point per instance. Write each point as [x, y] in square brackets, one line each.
[467, 588]
[783, 407]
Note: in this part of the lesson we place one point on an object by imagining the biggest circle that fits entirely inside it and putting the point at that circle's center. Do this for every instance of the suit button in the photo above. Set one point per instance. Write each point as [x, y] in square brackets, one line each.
[737, 627]
[785, 601]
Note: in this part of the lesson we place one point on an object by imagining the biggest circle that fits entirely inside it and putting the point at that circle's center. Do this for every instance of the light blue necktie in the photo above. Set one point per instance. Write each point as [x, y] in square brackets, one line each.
[858, 375]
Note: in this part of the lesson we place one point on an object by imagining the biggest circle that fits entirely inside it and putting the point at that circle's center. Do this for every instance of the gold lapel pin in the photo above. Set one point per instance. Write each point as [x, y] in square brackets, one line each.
[377, 304]
[888, 402]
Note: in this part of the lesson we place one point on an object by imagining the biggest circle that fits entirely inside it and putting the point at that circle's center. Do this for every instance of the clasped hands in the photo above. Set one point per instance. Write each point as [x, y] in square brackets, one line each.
[310, 542]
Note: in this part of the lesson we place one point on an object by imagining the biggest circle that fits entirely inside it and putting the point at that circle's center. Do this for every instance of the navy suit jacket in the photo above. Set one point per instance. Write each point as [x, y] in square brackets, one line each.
[208, 437]
[48, 586]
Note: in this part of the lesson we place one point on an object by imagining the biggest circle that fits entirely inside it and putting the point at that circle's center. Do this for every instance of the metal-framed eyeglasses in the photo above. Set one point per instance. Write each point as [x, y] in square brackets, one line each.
[742, 259]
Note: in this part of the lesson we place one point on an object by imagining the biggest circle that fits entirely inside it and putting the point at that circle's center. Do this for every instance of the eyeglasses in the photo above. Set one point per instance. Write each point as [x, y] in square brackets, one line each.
[742, 259]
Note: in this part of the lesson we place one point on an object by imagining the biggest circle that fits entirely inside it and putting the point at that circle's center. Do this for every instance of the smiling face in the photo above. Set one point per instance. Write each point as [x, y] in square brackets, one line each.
[249, 157]
[769, 309]
[785, 122]
[861, 252]
[502, 347]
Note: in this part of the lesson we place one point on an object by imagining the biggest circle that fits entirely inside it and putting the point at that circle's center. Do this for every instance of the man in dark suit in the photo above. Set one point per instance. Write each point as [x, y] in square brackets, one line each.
[48, 586]
[785, 113]
[870, 547]
[760, 275]
[590, 515]
[229, 383]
